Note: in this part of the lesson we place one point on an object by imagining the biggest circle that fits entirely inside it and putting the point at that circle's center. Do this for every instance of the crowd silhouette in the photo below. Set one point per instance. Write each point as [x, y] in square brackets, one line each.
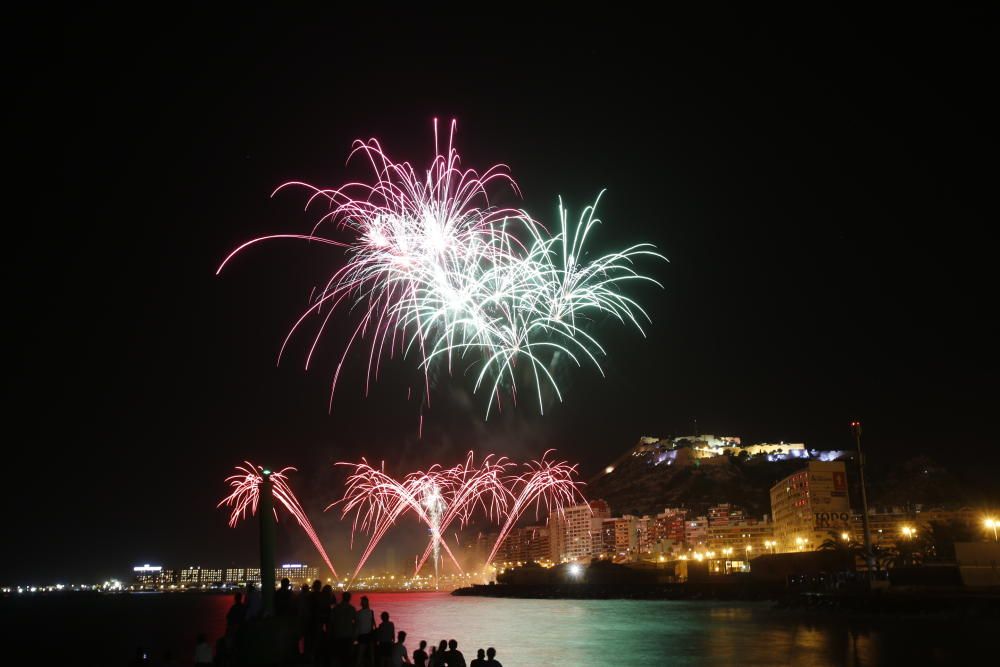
[329, 632]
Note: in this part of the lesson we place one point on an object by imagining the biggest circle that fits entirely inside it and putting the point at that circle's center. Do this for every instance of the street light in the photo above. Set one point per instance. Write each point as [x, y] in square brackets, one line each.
[845, 537]
[990, 522]
[909, 532]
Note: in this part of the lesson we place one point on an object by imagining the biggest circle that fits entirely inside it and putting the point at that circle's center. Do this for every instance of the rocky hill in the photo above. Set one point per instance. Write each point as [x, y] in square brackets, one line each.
[637, 486]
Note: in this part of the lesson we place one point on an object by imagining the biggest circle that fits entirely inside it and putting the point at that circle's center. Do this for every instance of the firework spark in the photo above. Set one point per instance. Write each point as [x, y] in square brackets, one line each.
[440, 496]
[245, 495]
[434, 270]
[544, 483]
[437, 496]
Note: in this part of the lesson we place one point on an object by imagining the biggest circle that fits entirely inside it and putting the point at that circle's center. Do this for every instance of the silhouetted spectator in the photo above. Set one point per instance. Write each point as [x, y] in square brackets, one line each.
[437, 655]
[253, 602]
[343, 624]
[491, 658]
[420, 655]
[453, 657]
[366, 633]
[203, 652]
[480, 659]
[283, 598]
[326, 601]
[384, 637]
[399, 655]
[236, 615]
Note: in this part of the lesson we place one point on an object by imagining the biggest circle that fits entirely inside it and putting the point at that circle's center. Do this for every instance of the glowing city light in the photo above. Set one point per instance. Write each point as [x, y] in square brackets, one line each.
[993, 524]
[432, 270]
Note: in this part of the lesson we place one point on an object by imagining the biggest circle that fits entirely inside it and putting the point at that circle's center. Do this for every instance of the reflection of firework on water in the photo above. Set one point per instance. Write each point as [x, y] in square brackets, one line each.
[434, 270]
[439, 496]
[246, 494]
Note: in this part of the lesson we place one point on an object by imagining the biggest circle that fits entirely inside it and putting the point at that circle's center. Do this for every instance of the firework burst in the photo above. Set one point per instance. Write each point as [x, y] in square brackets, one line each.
[433, 270]
[440, 496]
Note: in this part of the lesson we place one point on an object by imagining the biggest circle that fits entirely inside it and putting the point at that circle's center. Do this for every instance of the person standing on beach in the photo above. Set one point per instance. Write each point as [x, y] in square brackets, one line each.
[491, 658]
[385, 635]
[343, 622]
[420, 655]
[365, 628]
[399, 655]
[437, 656]
[480, 659]
[453, 657]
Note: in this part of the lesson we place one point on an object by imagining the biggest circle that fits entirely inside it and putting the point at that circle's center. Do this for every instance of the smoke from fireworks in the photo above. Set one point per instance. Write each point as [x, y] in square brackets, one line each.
[433, 270]
[246, 493]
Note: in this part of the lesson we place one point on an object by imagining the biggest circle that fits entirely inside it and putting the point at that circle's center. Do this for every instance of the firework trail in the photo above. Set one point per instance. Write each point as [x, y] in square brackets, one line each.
[378, 501]
[440, 496]
[545, 482]
[246, 493]
[433, 270]
[472, 487]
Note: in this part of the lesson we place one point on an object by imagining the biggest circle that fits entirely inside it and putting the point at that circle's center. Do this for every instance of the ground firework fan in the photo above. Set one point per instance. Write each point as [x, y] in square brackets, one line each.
[245, 495]
[432, 270]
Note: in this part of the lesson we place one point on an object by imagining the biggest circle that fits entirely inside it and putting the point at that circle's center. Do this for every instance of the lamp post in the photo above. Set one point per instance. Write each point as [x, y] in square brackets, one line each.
[268, 536]
[869, 556]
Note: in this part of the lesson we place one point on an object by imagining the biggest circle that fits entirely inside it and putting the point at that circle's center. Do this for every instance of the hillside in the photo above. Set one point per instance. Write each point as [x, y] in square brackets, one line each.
[636, 486]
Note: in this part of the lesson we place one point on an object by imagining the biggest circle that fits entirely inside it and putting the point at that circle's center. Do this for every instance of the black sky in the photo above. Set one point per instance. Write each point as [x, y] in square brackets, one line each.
[823, 183]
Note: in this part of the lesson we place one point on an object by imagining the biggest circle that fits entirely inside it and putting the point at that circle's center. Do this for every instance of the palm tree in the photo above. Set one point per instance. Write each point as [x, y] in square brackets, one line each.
[836, 542]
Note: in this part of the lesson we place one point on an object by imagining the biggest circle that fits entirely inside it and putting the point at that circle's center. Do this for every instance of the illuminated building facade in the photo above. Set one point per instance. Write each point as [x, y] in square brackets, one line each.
[151, 577]
[696, 532]
[199, 576]
[744, 536]
[576, 534]
[809, 505]
[530, 543]
[243, 575]
[296, 573]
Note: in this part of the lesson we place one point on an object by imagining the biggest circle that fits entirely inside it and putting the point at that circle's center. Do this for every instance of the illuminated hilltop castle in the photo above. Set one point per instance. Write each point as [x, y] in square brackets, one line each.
[705, 448]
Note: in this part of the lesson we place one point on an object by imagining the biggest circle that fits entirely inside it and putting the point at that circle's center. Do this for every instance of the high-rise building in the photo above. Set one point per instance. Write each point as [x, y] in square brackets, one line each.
[696, 532]
[296, 573]
[666, 531]
[536, 542]
[151, 577]
[631, 536]
[575, 535]
[809, 505]
[196, 575]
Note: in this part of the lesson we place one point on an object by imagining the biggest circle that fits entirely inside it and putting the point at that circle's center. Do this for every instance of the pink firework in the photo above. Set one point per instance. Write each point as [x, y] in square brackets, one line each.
[437, 496]
[440, 496]
[246, 494]
[412, 240]
[545, 483]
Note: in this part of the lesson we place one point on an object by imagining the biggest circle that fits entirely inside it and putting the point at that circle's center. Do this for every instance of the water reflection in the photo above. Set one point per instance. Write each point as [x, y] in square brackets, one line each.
[581, 633]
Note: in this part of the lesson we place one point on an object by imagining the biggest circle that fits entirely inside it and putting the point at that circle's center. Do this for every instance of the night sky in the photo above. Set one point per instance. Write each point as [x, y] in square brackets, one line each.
[823, 184]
